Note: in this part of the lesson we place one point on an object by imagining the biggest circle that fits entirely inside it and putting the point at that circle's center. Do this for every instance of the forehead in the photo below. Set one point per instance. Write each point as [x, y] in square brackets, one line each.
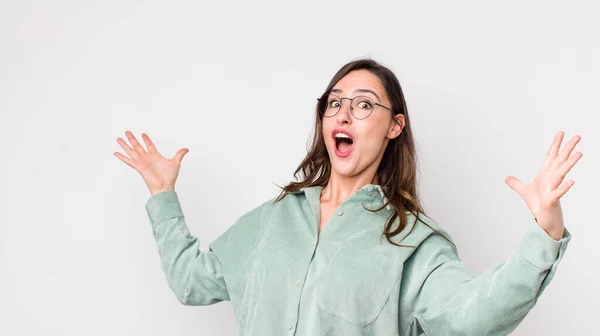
[360, 79]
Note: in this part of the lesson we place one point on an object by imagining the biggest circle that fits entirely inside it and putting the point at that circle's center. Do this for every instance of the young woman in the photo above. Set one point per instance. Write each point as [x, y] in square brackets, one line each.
[347, 250]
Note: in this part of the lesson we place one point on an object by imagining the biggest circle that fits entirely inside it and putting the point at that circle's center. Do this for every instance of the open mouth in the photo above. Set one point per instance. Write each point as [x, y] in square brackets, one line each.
[343, 144]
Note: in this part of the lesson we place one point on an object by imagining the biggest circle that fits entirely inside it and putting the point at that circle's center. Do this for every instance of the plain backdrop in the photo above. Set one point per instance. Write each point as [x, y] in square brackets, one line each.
[488, 85]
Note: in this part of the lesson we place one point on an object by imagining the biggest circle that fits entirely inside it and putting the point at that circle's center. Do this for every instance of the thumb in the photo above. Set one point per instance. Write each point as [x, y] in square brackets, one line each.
[515, 184]
[179, 155]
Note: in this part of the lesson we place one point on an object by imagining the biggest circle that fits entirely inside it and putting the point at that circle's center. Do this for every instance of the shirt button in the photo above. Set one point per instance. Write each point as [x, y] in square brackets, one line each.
[290, 327]
[370, 188]
[340, 212]
[298, 283]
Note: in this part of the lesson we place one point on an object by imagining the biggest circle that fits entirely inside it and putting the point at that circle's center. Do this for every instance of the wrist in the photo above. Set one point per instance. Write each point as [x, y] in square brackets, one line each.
[158, 191]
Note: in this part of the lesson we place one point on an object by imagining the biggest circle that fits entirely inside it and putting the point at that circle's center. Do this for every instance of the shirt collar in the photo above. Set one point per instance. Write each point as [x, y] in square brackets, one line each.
[316, 190]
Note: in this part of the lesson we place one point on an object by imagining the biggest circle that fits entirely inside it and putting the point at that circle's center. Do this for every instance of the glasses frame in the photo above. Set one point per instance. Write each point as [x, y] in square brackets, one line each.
[351, 107]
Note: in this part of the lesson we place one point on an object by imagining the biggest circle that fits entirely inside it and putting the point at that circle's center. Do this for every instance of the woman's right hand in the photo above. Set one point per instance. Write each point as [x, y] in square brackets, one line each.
[158, 172]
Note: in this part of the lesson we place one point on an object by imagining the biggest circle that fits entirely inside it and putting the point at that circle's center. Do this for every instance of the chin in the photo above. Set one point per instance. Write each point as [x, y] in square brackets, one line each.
[343, 166]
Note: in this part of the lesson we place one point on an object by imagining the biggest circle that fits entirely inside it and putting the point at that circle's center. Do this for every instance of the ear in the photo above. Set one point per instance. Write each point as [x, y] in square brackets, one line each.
[397, 126]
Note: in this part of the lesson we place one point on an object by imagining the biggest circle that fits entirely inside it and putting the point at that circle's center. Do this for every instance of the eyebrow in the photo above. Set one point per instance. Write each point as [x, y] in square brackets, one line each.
[360, 90]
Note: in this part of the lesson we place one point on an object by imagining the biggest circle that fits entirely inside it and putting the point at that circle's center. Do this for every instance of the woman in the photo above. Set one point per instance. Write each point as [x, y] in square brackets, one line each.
[348, 250]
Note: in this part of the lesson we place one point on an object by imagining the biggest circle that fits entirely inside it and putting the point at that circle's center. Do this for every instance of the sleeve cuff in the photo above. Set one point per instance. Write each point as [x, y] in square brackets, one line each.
[540, 249]
[163, 206]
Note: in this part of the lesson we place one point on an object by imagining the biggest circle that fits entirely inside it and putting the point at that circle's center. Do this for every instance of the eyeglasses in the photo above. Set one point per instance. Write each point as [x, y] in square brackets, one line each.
[360, 106]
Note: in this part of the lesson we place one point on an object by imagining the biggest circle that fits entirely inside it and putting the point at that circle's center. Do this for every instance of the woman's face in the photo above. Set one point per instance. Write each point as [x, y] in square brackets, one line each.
[369, 136]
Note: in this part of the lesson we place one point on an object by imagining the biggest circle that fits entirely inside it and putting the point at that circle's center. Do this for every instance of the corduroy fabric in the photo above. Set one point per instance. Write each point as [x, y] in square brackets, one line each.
[283, 278]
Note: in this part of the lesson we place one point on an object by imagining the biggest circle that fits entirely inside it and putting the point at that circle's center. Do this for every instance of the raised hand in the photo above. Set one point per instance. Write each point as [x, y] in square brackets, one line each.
[543, 194]
[158, 172]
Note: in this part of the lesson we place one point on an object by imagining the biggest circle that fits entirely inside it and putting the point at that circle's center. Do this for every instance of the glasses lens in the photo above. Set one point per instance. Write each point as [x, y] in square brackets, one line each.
[333, 104]
[362, 107]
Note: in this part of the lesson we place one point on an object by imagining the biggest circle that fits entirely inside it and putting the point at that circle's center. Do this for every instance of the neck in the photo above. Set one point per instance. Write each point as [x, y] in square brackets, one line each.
[340, 188]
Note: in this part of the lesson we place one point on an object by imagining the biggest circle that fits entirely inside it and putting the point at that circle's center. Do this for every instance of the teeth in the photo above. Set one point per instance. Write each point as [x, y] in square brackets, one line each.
[342, 135]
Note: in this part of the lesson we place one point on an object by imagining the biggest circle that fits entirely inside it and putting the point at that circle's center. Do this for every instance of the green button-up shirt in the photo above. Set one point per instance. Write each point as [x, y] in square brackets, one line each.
[284, 278]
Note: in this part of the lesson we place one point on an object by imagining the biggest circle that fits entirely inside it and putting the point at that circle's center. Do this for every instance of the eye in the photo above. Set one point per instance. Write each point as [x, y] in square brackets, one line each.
[334, 103]
[365, 104]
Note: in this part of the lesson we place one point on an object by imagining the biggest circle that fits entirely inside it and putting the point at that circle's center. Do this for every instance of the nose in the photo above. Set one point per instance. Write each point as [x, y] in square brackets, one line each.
[344, 114]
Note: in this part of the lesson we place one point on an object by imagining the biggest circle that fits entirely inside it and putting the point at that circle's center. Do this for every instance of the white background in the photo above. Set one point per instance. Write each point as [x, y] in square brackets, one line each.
[488, 85]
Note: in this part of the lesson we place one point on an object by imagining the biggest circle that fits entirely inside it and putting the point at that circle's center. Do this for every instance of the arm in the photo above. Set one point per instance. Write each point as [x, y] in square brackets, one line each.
[194, 276]
[449, 300]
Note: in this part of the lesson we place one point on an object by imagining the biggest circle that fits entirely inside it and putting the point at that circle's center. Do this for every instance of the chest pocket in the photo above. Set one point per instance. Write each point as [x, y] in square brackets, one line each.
[357, 284]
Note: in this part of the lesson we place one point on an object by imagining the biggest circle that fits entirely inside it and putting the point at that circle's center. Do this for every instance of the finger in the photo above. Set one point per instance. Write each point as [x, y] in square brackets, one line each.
[567, 150]
[515, 184]
[130, 151]
[135, 143]
[568, 165]
[149, 143]
[562, 189]
[125, 159]
[553, 150]
[179, 155]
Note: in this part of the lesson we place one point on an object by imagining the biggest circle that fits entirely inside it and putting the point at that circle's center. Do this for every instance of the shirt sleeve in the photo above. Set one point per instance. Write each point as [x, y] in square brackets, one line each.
[450, 300]
[194, 276]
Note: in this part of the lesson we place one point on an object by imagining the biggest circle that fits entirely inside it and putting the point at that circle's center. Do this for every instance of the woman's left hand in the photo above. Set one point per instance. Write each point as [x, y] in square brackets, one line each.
[543, 194]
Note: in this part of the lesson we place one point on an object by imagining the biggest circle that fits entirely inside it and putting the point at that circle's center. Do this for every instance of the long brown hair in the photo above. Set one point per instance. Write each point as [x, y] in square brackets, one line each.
[397, 172]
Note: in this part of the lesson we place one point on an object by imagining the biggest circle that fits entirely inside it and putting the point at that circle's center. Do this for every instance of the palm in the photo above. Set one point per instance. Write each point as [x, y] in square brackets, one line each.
[542, 196]
[158, 172]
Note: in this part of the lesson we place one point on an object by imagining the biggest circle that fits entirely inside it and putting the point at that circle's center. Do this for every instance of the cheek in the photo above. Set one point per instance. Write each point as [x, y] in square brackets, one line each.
[370, 147]
[372, 139]
[327, 128]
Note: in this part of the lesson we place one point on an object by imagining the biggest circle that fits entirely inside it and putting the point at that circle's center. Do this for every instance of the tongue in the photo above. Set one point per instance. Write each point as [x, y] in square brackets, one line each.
[344, 146]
